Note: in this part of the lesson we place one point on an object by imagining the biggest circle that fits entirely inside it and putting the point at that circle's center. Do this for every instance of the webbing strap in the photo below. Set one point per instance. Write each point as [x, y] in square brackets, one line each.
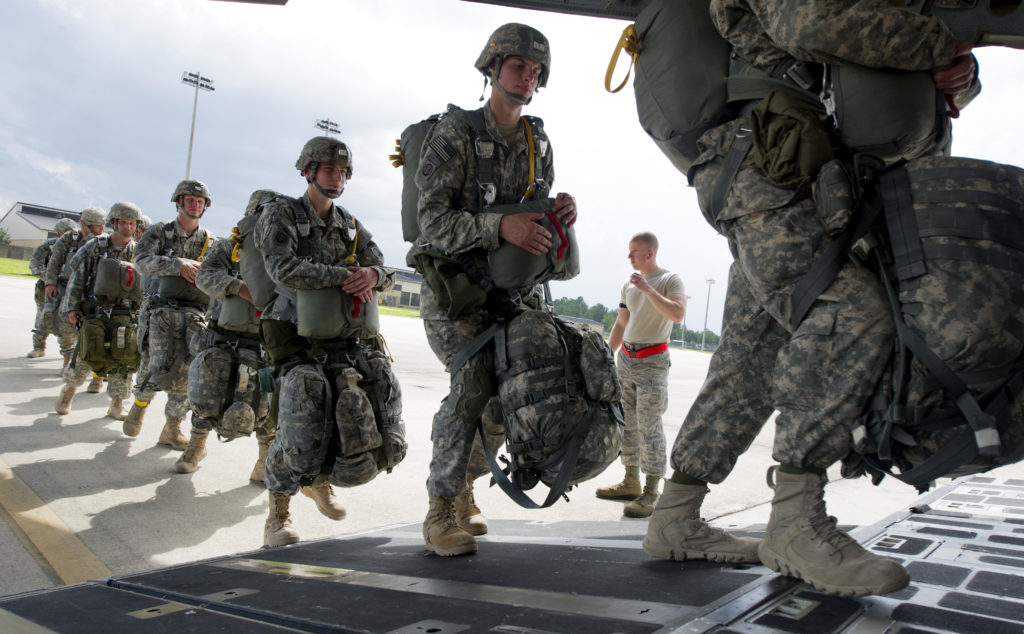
[302, 226]
[737, 152]
[569, 457]
[466, 352]
[629, 42]
[908, 256]
[484, 145]
[967, 222]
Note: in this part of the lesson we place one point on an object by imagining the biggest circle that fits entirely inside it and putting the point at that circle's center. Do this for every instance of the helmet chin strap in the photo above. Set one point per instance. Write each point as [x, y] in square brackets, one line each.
[330, 193]
[182, 209]
[514, 97]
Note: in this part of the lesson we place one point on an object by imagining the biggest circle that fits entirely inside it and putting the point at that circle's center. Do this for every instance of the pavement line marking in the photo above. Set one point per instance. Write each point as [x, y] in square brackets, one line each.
[69, 557]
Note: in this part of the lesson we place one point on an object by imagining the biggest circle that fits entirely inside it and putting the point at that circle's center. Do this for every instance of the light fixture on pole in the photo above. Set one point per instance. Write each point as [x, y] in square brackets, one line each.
[704, 334]
[329, 127]
[197, 81]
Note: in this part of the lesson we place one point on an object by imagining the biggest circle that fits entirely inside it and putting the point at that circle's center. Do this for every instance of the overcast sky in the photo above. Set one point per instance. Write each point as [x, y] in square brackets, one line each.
[92, 111]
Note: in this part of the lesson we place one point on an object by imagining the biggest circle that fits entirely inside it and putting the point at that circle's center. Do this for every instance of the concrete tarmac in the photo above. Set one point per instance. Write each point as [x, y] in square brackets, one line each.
[82, 501]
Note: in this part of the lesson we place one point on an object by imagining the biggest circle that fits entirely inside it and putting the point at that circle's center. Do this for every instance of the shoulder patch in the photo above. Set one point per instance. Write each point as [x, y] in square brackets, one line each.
[281, 237]
[430, 165]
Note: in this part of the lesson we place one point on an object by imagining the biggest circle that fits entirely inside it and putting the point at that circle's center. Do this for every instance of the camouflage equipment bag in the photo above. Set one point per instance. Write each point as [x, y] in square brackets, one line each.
[116, 279]
[560, 394]
[951, 259]
[327, 313]
[92, 349]
[224, 386]
[513, 268]
[178, 289]
[109, 343]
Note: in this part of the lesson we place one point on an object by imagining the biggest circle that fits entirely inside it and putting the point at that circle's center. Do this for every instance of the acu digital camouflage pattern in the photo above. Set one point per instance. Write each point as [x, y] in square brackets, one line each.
[968, 306]
[516, 39]
[43, 324]
[644, 401]
[58, 271]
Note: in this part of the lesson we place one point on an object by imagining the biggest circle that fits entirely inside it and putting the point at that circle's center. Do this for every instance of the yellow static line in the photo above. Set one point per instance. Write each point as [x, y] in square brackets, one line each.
[69, 557]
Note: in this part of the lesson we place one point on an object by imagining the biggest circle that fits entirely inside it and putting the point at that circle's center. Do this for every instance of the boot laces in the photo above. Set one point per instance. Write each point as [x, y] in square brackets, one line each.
[825, 527]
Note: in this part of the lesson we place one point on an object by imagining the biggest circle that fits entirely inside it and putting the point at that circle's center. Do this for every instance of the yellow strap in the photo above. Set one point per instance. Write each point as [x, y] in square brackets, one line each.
[351, 259]
[397, 159]
[631, 43]
[202, 253]
[530, 158]
[236, 237]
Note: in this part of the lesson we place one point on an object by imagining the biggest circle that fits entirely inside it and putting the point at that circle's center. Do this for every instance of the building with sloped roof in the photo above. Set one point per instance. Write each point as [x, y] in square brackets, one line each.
[29, 225]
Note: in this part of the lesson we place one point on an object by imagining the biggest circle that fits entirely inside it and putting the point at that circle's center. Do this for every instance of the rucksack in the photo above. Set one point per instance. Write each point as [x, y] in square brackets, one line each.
[560, 395]
[946, 237]
[509, 267]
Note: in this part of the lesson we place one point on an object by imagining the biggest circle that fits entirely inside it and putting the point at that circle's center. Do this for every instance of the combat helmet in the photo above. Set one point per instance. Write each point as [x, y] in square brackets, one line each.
[191, 188]
[93, 216]
[124, 211]
[324, 149]
[64, 225]
[515, 39]
[145, 222]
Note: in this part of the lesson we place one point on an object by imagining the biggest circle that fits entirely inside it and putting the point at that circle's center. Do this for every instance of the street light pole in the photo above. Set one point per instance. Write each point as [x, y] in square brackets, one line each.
[329, 127]
[198, 81]
[704, 334]
[684, 318]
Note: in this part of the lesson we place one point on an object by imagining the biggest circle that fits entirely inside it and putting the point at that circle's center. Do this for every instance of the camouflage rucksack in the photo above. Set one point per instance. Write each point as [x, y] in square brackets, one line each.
[560, 394]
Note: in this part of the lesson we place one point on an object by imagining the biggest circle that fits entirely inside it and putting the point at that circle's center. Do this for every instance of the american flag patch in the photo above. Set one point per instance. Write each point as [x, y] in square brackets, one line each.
[442, 147]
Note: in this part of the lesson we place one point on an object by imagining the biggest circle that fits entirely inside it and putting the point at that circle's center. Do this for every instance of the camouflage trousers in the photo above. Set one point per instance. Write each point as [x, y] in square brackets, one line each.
[822, 372]
[57, 324]
[166, 357]
[458, 453]
[118, 380]
[644, 401]
[39, 330]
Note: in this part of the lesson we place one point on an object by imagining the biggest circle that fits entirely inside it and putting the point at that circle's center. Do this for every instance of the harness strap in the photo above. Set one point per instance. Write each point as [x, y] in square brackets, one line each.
[907, 252]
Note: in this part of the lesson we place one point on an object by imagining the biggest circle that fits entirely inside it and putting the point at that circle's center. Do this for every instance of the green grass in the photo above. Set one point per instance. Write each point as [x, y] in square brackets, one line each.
[401, 312]
[10, 266]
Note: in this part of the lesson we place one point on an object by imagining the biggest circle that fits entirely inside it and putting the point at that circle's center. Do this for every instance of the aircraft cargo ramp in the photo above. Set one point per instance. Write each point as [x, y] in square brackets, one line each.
[963, 544]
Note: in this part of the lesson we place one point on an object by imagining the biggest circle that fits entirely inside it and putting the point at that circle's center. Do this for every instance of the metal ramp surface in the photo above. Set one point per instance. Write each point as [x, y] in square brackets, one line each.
[963, 545]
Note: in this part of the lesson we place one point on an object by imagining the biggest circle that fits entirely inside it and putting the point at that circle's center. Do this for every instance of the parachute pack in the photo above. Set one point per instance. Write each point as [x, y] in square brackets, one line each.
[560, 395]
[508, 267]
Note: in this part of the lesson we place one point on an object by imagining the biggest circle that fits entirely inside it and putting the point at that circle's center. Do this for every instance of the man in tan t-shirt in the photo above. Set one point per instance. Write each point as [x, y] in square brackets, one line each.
[651, 301]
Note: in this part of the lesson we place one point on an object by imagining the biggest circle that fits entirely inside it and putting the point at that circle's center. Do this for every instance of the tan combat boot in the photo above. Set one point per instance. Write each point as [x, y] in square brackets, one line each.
[278, 529]
[171, 436]
[259, 470]
[63, 405]
[116, 409]
[133, 421]
[194, 453]
[803, 542]
[676, 531]
[441, 532]
[643, 506]
[628, 489]
[36, 353]
[326, 502]
[95, 385]
[469, 516]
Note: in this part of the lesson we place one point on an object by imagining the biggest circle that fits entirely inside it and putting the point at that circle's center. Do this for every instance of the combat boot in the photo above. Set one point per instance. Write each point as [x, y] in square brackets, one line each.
[326, 502]
[441, 532]
[171, 436]
[133, 421]
[259, 470]
[628, 489]
[643, 506]
[116, 409]
[676, 531]
[278, 529]
[63, 405]
[803, 542]
[95, 385]
[469, 516]
[194, 453]
[36, 353]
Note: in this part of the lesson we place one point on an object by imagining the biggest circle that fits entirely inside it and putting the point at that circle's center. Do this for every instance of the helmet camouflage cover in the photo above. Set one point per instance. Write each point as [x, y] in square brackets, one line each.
[324, 149]
[124, 211]
[516, 39]
[145, 222]
[64, 225]
[93, 216]
[192, 188]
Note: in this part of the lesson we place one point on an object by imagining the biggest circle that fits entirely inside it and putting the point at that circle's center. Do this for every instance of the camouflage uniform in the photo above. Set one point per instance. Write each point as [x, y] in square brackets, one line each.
[820, 375]
[58, 271]
[171, 324]
[449, 198]
[325, 267]
[80, 295]
[44, 324]
[219, 278]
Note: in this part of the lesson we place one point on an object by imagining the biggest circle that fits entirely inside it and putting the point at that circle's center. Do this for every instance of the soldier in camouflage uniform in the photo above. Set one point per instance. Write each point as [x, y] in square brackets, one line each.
[339, 253]
[223, 386]
[517, 61]
[168, 256]
[144, 224]
[85, 300]
[820, 372]
[44, 324]
[58, 271]
[651, 301]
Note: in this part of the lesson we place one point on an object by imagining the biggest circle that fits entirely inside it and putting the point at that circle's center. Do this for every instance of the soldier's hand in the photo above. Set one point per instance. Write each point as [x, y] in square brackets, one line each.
[958, 75]
[74, 316]
[50, 290]
[522, 231]
[565, 209]
[360, 282]
[189, 269]
[640, 282]
[244, 293]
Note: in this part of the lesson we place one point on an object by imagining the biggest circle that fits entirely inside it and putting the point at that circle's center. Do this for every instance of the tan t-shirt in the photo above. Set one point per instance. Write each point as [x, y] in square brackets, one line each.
[646, 324]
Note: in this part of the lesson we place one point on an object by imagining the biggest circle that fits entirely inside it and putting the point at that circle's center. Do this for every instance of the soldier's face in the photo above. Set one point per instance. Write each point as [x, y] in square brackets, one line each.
[639, 254]
[331, 176]
[125, 227]
[92, 229]
[519, 75]
[193, 206]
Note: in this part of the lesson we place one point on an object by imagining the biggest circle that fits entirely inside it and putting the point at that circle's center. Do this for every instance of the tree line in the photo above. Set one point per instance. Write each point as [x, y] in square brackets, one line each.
[598, 312]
